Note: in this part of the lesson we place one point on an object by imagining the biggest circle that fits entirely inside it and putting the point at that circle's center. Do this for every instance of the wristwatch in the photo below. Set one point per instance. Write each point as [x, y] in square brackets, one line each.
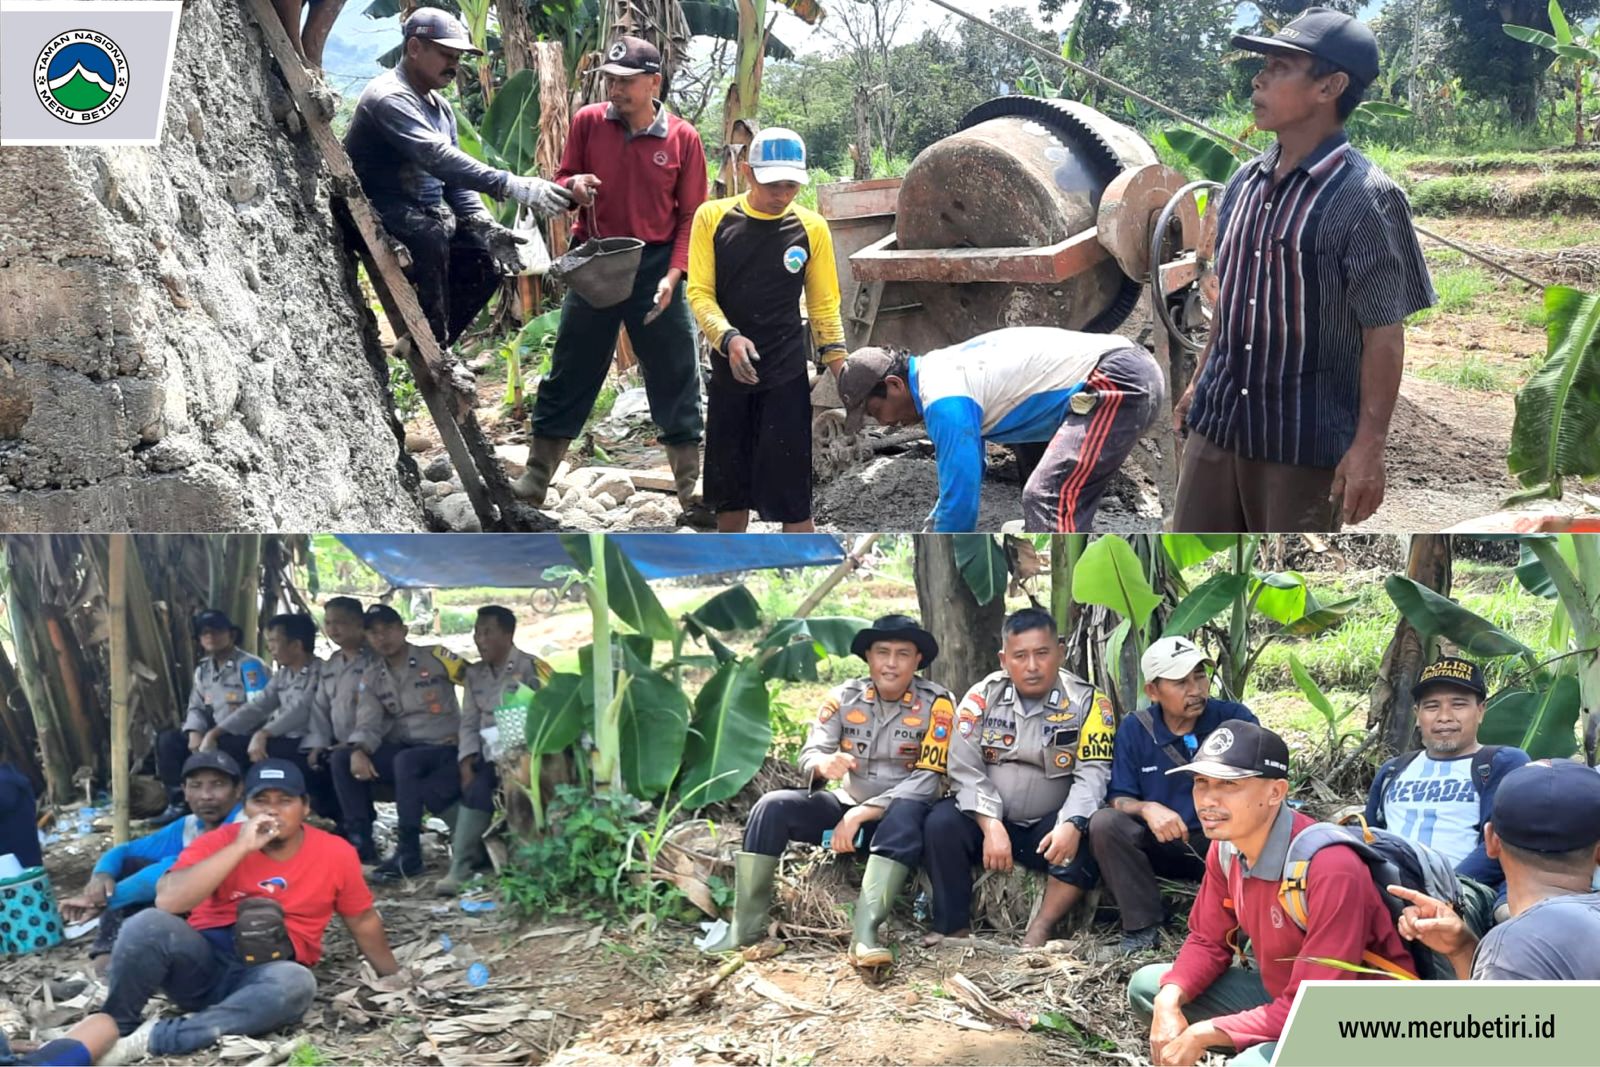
[1080, 822]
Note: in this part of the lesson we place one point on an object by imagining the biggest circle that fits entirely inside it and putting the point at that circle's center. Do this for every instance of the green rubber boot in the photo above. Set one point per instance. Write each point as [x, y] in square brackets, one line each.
[752, 900]
[465, 840]
[880, 884]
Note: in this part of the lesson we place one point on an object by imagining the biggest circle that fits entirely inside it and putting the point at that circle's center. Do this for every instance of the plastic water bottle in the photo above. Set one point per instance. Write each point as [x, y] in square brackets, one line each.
[445, 942]
[920, 907]
[477, 975]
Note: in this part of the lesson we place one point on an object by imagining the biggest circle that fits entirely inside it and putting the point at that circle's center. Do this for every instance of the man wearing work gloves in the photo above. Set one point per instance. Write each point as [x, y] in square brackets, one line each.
[402, 142]
[259, 895]
[884, 739]
[488, 683]
[407, 724]
[1075, 401]
[1029, 765]
[750, 258]
[640, 172]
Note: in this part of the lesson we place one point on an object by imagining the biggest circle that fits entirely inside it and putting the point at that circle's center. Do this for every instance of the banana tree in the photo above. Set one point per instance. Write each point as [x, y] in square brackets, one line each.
[1567, 568]
[1576, 56]
[1112, 574]
[1248, 595]
[1556, 431]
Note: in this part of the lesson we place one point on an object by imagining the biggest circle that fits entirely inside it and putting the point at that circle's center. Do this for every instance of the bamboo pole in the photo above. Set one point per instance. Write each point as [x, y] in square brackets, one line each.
[117, 605]
[607, 727]
[24, 606]
[848, 565]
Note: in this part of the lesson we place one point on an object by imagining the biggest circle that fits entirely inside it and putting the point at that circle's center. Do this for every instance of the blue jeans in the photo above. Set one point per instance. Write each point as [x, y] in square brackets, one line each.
[201, 974]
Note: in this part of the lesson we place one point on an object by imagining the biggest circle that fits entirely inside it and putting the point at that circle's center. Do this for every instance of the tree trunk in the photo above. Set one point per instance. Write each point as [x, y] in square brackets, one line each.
[968, 632]
[516, 36]
[744, 95]
[863, 145]
[1391, 711]
[1577, 107]
[117, 607]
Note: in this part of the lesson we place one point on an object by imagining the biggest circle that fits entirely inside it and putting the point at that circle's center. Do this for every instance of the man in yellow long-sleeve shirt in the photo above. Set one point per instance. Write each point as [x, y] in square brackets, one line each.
[750, 257]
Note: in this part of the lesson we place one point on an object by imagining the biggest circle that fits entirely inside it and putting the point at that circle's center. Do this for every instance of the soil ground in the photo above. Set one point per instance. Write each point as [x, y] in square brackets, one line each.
[1465, 359]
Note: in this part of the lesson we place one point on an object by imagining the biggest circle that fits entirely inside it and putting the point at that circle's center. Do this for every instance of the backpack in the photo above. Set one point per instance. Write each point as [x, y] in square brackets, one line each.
[1391, 860]
[1175, 752]
[1482, 768]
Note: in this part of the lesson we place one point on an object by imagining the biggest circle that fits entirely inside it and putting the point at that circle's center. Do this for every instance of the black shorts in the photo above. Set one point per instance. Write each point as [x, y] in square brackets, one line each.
[758, 451]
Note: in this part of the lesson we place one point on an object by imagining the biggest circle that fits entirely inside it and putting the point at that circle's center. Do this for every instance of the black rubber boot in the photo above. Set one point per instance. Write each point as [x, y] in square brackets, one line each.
[360, 836]
[407, 859]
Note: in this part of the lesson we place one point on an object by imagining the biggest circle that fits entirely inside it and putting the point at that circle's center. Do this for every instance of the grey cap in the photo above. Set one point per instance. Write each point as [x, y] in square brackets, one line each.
[862, 372]
[440, 27]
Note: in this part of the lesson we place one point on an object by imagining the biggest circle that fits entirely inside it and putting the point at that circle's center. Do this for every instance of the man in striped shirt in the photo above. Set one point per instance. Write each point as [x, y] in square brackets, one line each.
[1318, 268]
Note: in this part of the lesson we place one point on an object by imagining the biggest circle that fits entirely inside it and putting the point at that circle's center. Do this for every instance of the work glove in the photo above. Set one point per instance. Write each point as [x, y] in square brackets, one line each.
[545, 198]
[502, 242]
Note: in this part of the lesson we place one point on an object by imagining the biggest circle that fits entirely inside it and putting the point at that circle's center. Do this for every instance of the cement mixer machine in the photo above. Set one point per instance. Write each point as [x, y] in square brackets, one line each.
[1035, 213]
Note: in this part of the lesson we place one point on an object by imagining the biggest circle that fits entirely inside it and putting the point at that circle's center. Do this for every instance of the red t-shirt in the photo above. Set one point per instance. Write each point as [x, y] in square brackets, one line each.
[322, 878]
[650, 186]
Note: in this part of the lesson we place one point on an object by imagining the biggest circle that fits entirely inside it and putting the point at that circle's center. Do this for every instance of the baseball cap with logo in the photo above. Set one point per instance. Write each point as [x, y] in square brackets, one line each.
[778, 155]
[274, 774]
[1172, 658]
[1332, 35]
[381, 615]
[628, 56]
[1548, 807]
[212, 619]
[213, 760]
[440, 27]
[1239, 749]
[1452, 671]
[863, 370]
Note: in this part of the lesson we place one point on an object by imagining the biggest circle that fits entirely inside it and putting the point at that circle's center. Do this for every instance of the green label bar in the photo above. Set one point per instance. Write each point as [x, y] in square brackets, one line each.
[1451, 1024]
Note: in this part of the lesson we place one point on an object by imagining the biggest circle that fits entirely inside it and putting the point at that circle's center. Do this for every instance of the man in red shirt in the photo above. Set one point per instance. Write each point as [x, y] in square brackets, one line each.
[1209, 1000]
[259, 895]
[639, 172]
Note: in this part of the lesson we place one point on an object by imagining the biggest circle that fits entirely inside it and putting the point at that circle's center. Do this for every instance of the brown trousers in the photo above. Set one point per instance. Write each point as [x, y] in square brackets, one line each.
[1220, 491]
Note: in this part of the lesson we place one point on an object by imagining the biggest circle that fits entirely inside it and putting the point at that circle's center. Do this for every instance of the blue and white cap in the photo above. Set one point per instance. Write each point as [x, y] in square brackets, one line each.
[778, 155]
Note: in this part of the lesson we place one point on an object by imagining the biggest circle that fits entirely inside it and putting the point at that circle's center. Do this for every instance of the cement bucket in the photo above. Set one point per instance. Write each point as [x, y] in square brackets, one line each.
[601, 270]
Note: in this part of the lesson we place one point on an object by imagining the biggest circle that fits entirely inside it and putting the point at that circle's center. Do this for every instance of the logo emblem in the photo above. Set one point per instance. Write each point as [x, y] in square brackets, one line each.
[273, 885]
[1219, 742]
[660, 158]
[794, 259]
[618, 50]
[81, 76]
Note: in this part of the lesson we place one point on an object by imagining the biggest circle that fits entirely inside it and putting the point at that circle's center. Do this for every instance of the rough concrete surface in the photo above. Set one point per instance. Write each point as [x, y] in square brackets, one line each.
[183, 344]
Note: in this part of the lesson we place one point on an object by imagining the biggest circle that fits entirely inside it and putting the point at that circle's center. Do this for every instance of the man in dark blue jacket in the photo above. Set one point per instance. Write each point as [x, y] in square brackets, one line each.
[1150, 828]
[1442, 794]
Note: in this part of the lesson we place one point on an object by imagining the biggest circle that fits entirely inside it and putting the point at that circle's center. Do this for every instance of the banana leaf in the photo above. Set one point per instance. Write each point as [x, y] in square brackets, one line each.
[1313, 692]
[1531, 573]
[732, 609]
[797, 644]
[1282, 597]
[720, 18]
[1109, 574]
[1185, 550]
[654, 730]
[1556, 432]
[1437, 616]
[1209, 599]
[1539, 721]
[628, 594]
[1214, 160]
[1320, 616]
[721, 652]
[558, 713]
[731, 732]
[511, 124]
[982, 564]
[1529, 35]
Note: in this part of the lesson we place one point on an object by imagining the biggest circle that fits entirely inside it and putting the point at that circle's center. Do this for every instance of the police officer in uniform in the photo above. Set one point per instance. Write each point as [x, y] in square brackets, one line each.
[274, 723]
[884, 739]
[503, 668]
[1029, 764]
[333, 709]
[227, 678]
[407, 723]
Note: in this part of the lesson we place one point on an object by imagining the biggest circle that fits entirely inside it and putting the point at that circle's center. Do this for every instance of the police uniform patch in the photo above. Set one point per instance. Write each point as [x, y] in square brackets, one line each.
[934, 754]
[829, 709]
[855, 716]
[847, 745]
[1059, 716]
[1008, 740]
[988, 755]
[1103, 704]
[1063, 760]
[912, 721]
[870, 694]
[1099, 732]
[965, 726]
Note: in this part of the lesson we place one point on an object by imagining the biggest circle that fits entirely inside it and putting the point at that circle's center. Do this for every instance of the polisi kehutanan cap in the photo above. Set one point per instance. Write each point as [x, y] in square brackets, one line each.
[1451, 671]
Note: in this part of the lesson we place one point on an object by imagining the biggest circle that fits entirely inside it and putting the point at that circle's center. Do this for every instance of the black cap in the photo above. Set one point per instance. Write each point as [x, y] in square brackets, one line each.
[1452, 671]
[628, 56]
[863, 370]
[896, 628]
[214, 760]
[1239, 749]
[212, 619]
[274, 774]
[1344, 41]
[1548, 807]
[380, 614]
[440, 27]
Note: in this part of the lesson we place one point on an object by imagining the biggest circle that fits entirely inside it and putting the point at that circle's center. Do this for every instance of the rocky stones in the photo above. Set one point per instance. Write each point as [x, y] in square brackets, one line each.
[418, 442]
[438, 469]
[456, 511]
[618, 486]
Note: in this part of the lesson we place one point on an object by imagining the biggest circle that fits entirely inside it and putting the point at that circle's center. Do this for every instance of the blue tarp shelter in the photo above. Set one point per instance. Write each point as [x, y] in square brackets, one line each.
[518, 561]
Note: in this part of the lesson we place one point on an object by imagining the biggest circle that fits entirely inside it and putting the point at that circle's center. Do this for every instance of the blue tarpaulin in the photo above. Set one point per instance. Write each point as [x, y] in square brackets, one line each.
[518, 561]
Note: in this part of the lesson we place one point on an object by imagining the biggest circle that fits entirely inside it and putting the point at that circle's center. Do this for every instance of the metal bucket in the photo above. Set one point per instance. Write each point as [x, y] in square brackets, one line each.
[601, 270]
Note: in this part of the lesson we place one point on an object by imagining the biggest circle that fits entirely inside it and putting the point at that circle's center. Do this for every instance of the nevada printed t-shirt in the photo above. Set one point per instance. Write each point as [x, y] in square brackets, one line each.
[322, 878]
[1436, 803]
